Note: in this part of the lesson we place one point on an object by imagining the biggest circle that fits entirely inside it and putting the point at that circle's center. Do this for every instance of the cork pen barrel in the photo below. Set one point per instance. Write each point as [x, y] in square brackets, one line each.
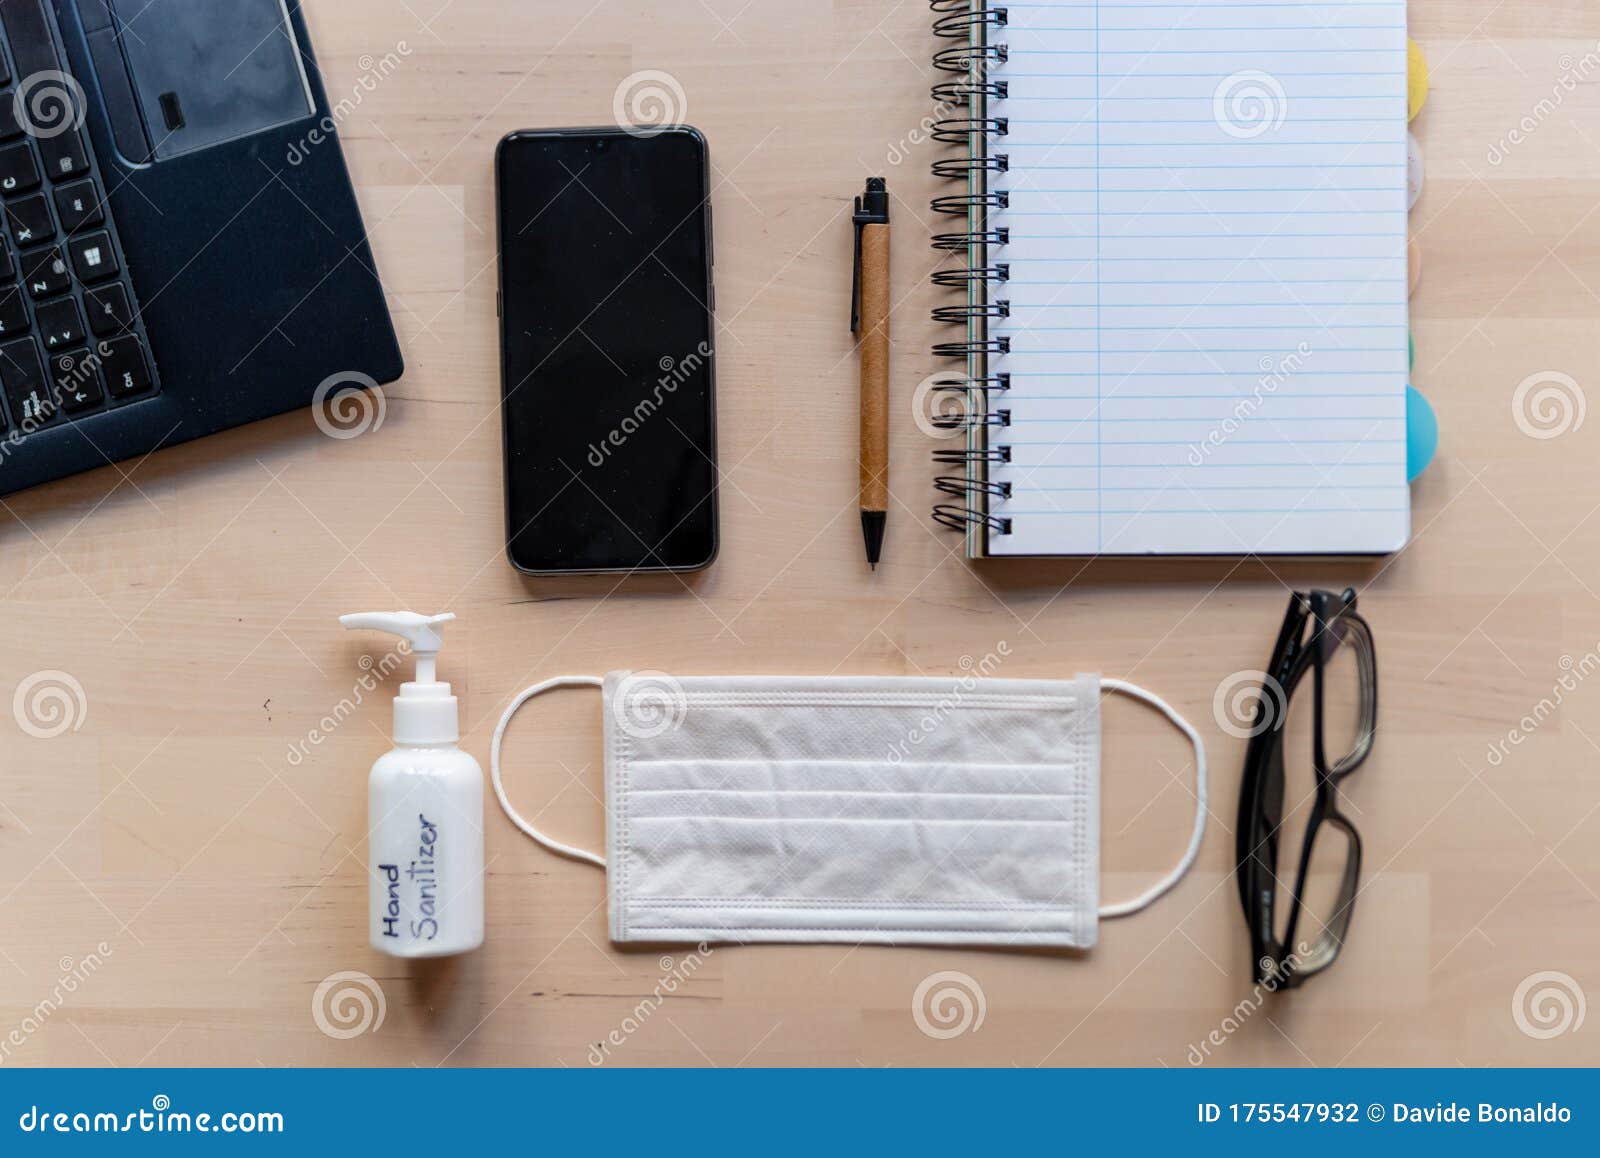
[875, 368]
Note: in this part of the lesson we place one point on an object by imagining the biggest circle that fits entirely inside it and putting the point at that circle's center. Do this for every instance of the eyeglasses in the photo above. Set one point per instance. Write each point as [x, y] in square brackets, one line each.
[1322, 634]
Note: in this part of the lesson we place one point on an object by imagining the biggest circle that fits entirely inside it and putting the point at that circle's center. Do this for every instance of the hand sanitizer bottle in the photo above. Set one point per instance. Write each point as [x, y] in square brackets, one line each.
[424, 811]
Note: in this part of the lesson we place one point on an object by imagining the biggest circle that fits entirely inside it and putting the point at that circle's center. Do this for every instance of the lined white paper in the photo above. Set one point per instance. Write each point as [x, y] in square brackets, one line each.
[1207, 278]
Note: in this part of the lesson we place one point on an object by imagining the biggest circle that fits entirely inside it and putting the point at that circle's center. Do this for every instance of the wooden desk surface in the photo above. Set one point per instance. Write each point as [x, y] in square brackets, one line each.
[198, 886]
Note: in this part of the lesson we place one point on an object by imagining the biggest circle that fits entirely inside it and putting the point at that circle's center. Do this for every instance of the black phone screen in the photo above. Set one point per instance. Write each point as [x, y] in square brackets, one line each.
[606, 350]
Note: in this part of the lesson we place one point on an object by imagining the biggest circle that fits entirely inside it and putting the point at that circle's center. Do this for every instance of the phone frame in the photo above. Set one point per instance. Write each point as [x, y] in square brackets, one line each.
[709, 447]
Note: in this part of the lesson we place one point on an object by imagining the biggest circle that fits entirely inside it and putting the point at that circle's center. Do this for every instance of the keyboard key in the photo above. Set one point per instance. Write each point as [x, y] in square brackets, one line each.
[77, 381]
[58, 324]
[13, 312]
[93, 256]
[10, 127]
[64, 155]
[18, 172]
[31, 223]
[32, 40]
[22, 375]
[122, 362]
[8, 268]
[108, 310]
[45, 273]
[79, 205]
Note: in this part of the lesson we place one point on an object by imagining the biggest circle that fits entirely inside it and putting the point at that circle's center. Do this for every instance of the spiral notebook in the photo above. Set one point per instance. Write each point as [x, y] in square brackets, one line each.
[1185, 289]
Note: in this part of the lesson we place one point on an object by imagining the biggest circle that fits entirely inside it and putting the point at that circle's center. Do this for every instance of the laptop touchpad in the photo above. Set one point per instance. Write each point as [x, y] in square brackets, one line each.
[205, 72]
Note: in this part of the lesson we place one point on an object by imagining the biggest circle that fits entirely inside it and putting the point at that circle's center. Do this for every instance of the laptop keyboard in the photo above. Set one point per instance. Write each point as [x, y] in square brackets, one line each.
[70, 341]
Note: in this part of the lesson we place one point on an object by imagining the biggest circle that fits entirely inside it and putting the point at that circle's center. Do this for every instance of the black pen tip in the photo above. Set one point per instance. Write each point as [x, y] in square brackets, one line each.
[873, 524]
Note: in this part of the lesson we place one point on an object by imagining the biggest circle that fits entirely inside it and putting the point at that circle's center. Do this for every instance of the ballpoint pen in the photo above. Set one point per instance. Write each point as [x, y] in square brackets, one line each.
[869, 317]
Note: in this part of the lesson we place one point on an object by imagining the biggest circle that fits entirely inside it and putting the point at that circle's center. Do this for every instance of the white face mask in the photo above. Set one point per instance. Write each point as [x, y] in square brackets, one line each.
[882, 810]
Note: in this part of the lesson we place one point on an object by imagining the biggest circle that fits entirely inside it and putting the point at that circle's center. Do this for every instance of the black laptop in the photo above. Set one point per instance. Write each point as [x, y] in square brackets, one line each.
[181, 249]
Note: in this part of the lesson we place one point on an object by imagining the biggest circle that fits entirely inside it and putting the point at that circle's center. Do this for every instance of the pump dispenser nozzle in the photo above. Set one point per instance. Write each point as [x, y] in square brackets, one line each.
[424, 711]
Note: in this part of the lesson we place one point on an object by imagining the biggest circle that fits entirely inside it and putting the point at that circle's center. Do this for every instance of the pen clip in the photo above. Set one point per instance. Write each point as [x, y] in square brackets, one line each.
[872, 208]
[855, 273]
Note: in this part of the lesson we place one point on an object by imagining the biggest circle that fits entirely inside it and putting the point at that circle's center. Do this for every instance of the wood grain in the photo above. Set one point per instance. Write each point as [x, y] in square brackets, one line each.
[193, 826]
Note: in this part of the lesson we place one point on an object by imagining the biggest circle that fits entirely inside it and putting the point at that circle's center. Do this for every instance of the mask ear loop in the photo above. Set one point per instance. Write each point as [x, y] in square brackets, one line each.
[1161, 887]
[515, 817]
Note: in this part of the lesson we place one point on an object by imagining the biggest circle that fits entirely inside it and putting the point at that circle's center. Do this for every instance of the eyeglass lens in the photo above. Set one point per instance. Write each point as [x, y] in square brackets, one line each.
[1348, 708]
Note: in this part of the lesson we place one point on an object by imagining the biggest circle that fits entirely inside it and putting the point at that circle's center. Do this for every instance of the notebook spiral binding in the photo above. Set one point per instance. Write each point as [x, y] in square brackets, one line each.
[965, 120]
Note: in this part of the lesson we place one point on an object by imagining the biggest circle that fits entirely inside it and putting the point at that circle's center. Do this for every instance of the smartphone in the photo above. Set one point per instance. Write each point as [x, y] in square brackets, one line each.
[606, 350]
